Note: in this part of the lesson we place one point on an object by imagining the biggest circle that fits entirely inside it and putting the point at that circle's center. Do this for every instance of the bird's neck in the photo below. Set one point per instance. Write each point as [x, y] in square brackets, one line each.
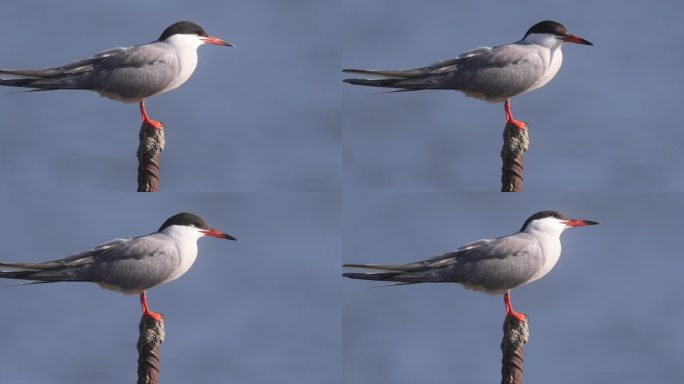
[543, 39]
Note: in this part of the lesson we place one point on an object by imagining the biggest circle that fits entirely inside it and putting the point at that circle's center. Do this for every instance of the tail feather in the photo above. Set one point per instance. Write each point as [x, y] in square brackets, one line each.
[39, 276]
[387, 267]
[48, 265]
[388, 83]
[28, 283]
[411, 273]
[43, 79]
[401, 74]
[39, 73]
[396, 277]
[39, 272]
[383, 276]
[42, 84]
[401, 83]
[35, 266]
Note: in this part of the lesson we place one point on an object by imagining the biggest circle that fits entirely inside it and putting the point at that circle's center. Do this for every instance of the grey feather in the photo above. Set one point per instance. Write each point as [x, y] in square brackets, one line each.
[118, 73]
[486, 76]
[492, 266]
[122, 272]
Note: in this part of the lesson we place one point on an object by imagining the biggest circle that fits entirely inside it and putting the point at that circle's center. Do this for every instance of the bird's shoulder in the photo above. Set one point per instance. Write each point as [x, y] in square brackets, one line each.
[110, 52]
[453, 256]
[448, 65]
[489, 57]
[150, 245]
[497, 248]
[126, 248]
[136, 56]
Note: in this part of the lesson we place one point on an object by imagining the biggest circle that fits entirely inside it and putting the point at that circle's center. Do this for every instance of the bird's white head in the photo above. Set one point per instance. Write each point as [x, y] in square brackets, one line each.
[188, 35]
[551, 223]
[551, 34]
[192, 227]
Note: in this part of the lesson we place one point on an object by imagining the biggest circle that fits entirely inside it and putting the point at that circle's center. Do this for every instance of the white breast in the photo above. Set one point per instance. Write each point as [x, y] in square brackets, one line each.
[188, 255]
[551, 250]
[186, 50]
[552, 59]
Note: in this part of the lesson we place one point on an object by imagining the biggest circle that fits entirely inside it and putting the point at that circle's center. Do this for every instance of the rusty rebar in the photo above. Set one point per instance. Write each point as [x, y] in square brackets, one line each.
[152, 142]
[151, 336]
[515, 336]
[515, 144]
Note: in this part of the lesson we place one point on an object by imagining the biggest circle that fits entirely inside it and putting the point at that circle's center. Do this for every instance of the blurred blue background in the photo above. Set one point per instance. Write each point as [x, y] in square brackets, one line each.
[610, 119]
[263, 309]
[262, 115]
[609, 312]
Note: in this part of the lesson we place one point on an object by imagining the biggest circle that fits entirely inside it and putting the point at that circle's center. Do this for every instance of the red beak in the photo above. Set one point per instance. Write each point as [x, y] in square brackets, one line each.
[216, 233]
[576, 40]
[579, 223]
[216, 41]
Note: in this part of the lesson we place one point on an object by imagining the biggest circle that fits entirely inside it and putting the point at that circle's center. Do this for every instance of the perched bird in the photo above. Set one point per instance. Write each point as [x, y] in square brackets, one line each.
[130, 74]
[129, 266]
[491, 74]
[493, 266]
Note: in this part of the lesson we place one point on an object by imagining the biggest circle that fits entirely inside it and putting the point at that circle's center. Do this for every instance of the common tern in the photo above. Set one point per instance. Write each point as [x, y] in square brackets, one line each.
[491, 74]
[130, 266]
[493, 266]
[128, 74]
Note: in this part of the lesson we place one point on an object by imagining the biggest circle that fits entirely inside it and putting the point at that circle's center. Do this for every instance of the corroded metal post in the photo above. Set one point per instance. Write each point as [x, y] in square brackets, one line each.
[515, 336]
[515, 144]
[152, 142]
[151, 336]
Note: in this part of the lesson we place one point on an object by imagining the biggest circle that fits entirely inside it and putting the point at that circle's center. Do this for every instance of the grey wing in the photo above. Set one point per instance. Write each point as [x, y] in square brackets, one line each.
[127, 265]
[421, 72]
[111, 51]
[450, 64]
[494, 266]
[494, 75]
[132, 74]
[142, 263]
[460, 250]
[430, 270]
[126, 74]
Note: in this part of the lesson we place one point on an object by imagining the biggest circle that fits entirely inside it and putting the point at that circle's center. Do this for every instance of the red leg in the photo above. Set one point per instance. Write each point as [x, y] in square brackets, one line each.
[509, 117]
[509, 309]
[146, 119]
[146, 311]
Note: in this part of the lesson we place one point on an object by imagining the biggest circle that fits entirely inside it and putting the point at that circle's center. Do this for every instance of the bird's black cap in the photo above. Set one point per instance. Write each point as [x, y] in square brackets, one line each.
[541, 215]
[184, 28]
[548, 26]
[185, 218]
